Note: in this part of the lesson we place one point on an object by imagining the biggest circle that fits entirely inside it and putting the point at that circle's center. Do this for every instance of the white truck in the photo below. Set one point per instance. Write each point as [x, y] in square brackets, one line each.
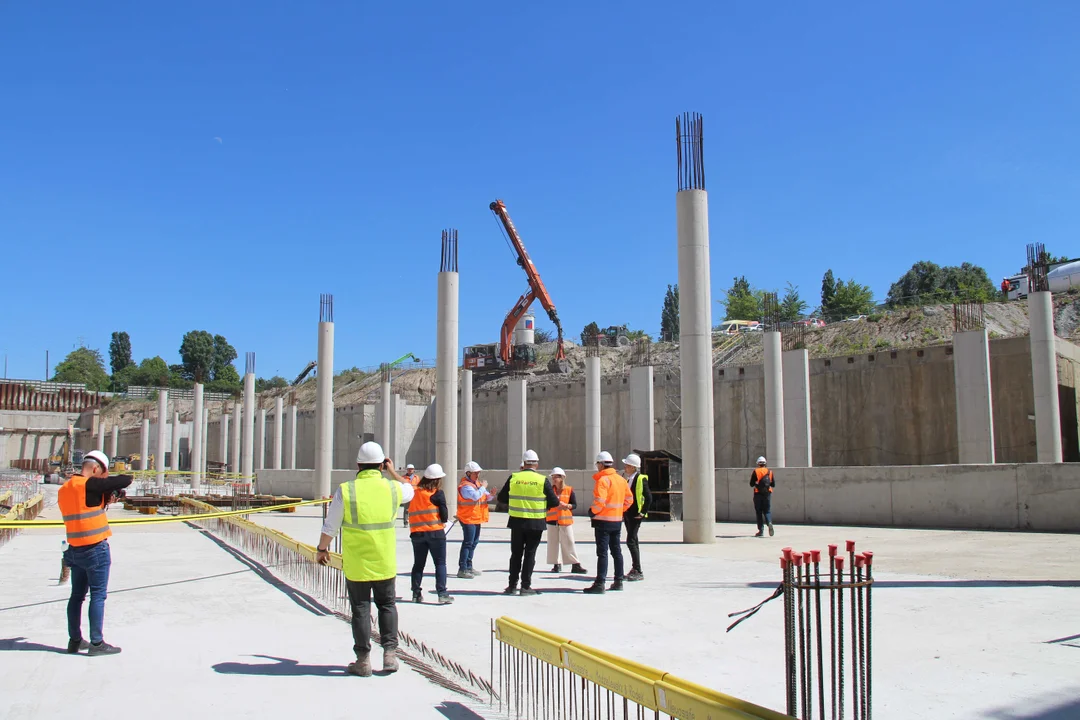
[1060, 279]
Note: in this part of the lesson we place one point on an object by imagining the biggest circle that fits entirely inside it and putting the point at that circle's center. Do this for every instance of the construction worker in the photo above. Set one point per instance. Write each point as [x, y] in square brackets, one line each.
[611, 498]
[83, 500]
[560, 522]
[763, 482]
[529, 496]
[472, 513]
[413, 479]
[637, 512]
[363, 510]
[427, 517]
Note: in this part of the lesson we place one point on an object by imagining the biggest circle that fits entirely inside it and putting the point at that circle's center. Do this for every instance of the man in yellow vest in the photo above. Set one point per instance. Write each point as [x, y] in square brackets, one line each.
[637, 512]
[364, 510]
[529, 496]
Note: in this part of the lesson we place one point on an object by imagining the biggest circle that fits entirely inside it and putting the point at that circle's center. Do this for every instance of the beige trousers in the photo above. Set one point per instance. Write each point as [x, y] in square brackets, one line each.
[561, 536]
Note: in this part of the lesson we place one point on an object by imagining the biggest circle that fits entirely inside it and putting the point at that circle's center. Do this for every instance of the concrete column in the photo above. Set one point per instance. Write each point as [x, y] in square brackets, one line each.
[592, 411]
[279, 420]
[324, 411]
[160, 447]
[198, 430]
[260, 439]
[386, 399]
[223, 427]
[290, 446]
[446, 383]
[974, 410]
[695, 353]
[235, 446]
[396, 450]
[100, 435]
[174, 445]
[798, 448]
[205, 444]
[1044, 377]
[516, 438]
[641, 408]
[144, 445]
[775, 448]
[114, 445]
[247, 463]
[465, 435]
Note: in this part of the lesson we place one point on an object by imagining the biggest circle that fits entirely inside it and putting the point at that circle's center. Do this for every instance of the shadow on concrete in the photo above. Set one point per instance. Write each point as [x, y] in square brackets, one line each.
[1068, 711]
[910, 584]
[498, 593]
[281, 667]
[1070, 641]
[20, 644]
[456, 711]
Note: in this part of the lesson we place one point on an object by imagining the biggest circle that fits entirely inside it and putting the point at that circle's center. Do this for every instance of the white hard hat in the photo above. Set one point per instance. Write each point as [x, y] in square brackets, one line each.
[530, 456]
[97, 456]
[434, 471]
[761, 461]
[370, 453]
[558, 471]
[633, 460]
[410, 466]
[473, 467]
[604, 457]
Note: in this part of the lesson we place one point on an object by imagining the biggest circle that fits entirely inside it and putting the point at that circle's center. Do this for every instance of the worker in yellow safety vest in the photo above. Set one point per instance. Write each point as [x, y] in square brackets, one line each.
[529, 496]
[636, 513]
[364, 510]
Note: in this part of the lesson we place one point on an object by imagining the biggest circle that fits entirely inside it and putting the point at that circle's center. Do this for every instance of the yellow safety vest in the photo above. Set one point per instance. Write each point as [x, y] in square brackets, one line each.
[368, 543]
[639, 493]
[527, 495]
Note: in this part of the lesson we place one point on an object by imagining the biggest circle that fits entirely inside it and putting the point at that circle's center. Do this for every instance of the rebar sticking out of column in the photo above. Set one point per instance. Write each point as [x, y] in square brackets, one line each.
[449, 261]
[968, 316]
[249, 363]
[690, 147]
[771, 311]
[1037, 266]
[326, 308]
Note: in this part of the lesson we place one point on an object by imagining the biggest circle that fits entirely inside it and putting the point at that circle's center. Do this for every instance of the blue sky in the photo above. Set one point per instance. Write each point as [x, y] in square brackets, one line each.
[837, 135]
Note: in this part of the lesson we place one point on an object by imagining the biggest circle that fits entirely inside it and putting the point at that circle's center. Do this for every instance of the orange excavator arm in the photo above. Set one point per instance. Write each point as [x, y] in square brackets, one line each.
[537, 291]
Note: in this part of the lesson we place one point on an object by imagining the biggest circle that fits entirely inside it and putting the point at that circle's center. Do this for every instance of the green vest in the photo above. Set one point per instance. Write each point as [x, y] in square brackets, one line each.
[368, 543]
[639, 493]
[527, 495]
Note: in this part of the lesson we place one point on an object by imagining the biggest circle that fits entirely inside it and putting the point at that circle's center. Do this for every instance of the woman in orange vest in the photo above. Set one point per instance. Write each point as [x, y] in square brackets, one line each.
[560, 522]
[763, 482]
[82, 501]
[473, 497]
[427, 515]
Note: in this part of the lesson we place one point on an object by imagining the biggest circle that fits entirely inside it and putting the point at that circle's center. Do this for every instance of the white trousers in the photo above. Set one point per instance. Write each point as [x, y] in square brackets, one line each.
[561, 536]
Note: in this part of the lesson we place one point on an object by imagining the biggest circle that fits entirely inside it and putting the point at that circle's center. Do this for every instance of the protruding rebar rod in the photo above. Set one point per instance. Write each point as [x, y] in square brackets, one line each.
[690, 146]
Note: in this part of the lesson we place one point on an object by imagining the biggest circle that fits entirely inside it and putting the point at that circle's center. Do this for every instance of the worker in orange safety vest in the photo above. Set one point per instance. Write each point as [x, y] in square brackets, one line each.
[560, 522]
[763, 482]
[611, 498]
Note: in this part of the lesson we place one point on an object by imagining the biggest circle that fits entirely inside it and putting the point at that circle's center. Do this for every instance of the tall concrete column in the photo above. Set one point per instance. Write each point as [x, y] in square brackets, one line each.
[974, 410]
[798, 448]
[324, 399]
[279, 419]
[396, 450]
[205, 436]
[235, 445]
[775, 449]
[446, 368]
[290, 446]
[144, 445]
[247, 466]
[465, 435]
[260, 439]
[641, 408]
[386, 399]
[198, 429]
[174, 445]
[160, 447]
[223, 427]
[592, 410]
[695, 337]
[114, 445]
[101, 434]
[516, 422]
[1044, 378]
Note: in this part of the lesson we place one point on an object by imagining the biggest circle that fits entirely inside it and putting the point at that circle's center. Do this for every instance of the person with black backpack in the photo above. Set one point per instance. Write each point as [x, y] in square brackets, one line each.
[763, 482]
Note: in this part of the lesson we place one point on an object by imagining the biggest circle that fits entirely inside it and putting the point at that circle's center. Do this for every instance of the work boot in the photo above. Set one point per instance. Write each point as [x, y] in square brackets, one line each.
[464, 575]
[557, 568]
[390, 661]
[528, 592]
[473, 572]
[760, 533]
[75, 646]
[578, 570]
[771, 530]
[634, 575]
[616, 586]
[510, 590]
[597, 588]
[102, 648]
[417, 596]
[362, 666]
[445, 599]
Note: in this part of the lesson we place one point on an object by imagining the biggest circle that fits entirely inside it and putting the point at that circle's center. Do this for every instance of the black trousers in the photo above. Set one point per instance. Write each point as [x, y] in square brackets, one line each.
[763, 510]
[360, 594]
[523, 544]
[632, 527]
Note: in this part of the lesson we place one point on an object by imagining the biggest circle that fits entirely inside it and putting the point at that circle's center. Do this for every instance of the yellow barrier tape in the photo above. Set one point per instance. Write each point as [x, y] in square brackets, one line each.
[537, 643]
[35, 524]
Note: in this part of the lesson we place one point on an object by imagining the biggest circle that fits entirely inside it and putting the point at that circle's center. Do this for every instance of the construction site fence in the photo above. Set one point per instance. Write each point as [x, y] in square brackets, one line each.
[26, 510]
[17, 487]
[139, 392]
[537, 674]
[178, 482]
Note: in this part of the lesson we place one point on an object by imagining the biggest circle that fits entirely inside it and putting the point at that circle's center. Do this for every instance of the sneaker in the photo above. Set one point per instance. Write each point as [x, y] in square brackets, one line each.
[390, 661]
[473, 572]
[771, 530]
[556, 568]
[445, 599]
[528, 592]
[362, 666]
[597, 588]
[102, 648]
[510, 590]
[464, 575]
[760, 534]
[635, 575]
[418, 597]
[615, 586]
[75, 646]
[578, 570]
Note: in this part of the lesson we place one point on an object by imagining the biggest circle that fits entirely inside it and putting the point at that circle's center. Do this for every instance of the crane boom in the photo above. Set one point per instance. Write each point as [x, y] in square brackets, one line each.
[536, 291]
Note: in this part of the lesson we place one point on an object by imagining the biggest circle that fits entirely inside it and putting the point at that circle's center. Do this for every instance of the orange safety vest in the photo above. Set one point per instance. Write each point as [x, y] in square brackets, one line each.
[423, 515]
[470, 512]
[413, 479]
[611, 496]
[85, 525]
[760, 473]
[562, 517]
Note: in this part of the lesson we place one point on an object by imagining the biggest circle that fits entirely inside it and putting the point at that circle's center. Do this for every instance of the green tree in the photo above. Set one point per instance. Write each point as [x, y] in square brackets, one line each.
[198, 355]
[792, 306]
[828, 292]
[591, 331]
[542, 335]
[669, 315]
[83, 365]
[928, 283]
[151, 372]
[741, 302]
[178, 377]
[851, 298]
[275, 383]
[632, 335]
[226, 381]
[120, 351]
[224, 354]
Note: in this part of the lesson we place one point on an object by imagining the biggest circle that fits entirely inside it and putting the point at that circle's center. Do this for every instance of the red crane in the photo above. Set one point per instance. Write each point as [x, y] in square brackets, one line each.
[536, 291]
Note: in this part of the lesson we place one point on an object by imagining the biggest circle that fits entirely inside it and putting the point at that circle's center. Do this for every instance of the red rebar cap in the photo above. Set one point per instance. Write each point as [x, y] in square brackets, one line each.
[815, 555]
[859, 561]
[832, 551]
[797, 559]
[839, 563]
[851, 546]
[869, 558]
[787, 552]
[783, 564]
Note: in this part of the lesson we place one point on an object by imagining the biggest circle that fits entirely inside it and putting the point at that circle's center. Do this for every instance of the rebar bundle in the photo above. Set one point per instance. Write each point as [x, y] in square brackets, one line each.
[968, 316]
[690, 146]
[1037, 267]
[449, 260]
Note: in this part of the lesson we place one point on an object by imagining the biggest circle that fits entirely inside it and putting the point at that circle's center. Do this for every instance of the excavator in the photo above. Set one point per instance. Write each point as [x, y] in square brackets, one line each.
[482, 356]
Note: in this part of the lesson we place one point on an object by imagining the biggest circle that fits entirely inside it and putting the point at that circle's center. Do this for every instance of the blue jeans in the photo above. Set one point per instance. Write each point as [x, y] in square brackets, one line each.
[608, 539]
[433, 542]
[470, 538]
[89, 571]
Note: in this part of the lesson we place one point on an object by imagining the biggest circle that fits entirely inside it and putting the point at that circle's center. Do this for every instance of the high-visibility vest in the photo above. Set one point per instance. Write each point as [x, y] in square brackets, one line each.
[85, 525]
[368, 545]
[527, 495]
[470, 512]
[641, 480]
[559, 515]
[423, 514]
[611, 496]
[762, 473]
